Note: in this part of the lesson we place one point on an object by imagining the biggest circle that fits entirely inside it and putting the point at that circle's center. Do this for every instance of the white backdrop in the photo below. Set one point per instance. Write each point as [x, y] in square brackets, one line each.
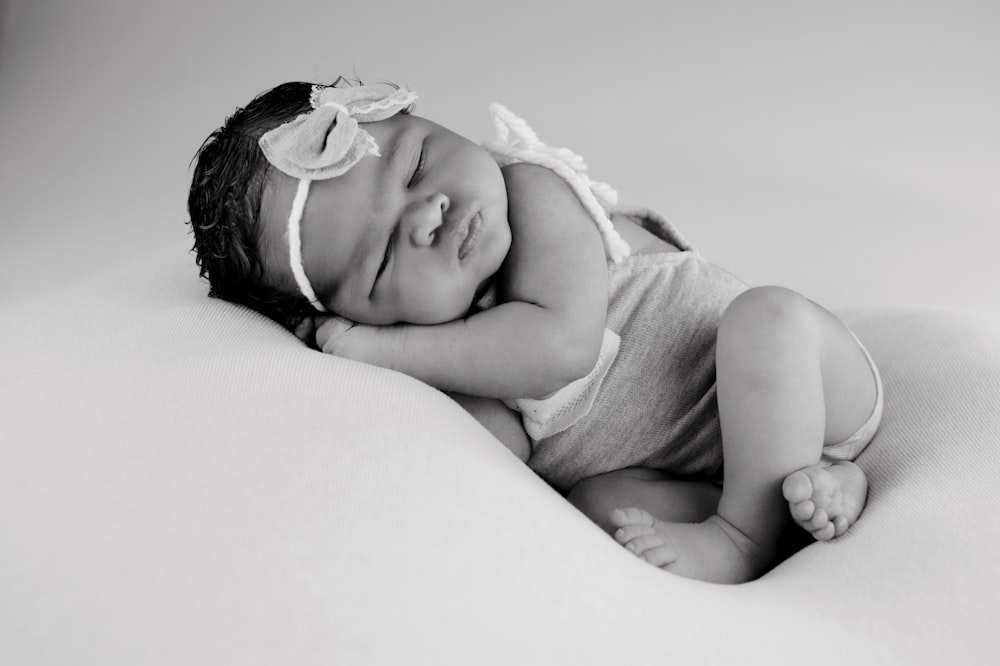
[850, 150]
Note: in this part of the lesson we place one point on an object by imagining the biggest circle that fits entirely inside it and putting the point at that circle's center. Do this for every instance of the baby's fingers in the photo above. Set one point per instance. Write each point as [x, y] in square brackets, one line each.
[330, 332]
[306, 331]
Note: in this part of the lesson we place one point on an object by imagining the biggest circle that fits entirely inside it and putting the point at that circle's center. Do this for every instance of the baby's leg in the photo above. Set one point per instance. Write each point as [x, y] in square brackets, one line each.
[666, 497]
[790, 376]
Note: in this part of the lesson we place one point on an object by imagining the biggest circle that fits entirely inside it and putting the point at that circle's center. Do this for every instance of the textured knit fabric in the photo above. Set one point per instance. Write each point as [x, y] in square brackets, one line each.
[656, 407]
[547, 416]
[657, 404]
[171, 444]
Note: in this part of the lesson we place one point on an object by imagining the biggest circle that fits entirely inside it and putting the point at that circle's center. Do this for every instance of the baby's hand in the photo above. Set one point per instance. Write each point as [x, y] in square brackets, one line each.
[331, 335]
[305, 331]
[347, 339]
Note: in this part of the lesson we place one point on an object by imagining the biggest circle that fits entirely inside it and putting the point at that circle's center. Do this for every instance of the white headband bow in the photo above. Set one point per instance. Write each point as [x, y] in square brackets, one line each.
[325, 143]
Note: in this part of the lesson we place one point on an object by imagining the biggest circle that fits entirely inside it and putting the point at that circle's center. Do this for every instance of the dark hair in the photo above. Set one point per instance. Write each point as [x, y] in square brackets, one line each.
[224, 204]
[230, 173]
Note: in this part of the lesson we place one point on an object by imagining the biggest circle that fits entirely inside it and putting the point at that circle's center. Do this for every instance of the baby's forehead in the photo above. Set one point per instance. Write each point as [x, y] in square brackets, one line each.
[329, 199]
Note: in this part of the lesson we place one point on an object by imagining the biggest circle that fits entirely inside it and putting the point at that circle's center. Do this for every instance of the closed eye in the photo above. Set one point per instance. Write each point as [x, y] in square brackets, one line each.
[419, 169]
[385, 261]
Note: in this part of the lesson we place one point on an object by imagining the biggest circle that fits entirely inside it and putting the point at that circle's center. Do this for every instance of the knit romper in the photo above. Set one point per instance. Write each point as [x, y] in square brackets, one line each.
[656, 407]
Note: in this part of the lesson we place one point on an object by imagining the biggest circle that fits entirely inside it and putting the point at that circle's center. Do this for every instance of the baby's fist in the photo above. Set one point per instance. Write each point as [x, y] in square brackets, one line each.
[347, 339]
[330, 335]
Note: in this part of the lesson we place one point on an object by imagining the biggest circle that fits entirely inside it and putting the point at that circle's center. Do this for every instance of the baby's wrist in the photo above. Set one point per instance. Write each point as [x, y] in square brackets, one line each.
[392, 345]
[376, 345]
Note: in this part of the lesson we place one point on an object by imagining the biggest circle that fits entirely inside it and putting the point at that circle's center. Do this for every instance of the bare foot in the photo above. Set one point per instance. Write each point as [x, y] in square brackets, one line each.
[826, 501]
[712, 550]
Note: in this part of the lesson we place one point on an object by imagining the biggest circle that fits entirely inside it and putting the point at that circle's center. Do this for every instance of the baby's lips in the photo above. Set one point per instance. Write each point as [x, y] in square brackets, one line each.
[470, 236]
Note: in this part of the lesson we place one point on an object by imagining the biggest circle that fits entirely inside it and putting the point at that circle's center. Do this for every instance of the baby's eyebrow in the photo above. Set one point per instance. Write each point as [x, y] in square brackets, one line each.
[397, 152]
[371, 249]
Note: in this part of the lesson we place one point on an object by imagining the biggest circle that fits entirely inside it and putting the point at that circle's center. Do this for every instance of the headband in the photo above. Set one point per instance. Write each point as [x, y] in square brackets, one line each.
[325, 143]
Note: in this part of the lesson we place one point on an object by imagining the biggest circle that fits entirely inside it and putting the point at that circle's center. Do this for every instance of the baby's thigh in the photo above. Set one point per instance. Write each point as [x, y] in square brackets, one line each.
[665, 497]
[763, 316]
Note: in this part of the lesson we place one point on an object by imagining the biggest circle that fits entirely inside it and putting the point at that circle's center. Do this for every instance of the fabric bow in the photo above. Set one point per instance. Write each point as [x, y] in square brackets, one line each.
[327, 141]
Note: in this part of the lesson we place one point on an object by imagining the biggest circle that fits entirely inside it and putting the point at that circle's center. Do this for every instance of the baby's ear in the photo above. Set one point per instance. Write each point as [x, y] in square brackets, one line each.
[305, 331]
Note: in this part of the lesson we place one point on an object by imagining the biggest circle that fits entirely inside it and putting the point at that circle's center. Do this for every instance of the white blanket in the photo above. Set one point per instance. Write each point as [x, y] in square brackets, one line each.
[181, 481]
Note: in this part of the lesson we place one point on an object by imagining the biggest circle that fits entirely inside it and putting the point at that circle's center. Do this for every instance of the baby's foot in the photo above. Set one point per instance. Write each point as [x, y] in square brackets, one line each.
[826, 501]
[713, 550]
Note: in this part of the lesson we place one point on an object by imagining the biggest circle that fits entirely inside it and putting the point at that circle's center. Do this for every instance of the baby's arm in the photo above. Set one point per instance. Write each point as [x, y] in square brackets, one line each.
[503, 422]
[548, 328]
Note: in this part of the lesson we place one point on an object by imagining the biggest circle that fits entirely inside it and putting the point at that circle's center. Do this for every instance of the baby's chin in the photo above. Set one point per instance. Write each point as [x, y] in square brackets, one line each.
[483, 298]
[439, 316]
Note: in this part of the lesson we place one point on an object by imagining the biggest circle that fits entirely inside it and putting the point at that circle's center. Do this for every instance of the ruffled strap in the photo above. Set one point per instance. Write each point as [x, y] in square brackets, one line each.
[517, 142]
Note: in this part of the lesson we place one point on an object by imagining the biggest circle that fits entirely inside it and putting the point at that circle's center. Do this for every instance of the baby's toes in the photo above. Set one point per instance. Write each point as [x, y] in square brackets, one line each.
[797, 487]
[802, 511]
[631, 516]
[623, 535]
[637, 534]
[642, 544]
[660, 556]
[825, 533]
[840, 525]
[818, 521]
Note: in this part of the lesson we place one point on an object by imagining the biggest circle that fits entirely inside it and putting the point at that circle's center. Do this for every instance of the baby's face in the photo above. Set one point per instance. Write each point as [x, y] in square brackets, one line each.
[411, 236]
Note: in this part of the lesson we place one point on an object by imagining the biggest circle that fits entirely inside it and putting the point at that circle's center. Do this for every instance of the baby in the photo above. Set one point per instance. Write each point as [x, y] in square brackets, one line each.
[642, 375]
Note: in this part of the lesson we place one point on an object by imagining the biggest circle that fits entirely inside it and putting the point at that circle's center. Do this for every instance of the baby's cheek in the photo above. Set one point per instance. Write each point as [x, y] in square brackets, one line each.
[430, 307]
[455, 307]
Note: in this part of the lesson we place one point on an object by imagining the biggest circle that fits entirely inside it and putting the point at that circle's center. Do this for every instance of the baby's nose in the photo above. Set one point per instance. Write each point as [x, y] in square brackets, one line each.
[424, 219]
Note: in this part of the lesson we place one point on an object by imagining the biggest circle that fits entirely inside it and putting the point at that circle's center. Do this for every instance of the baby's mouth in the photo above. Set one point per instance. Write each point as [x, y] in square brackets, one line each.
[472, 232]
